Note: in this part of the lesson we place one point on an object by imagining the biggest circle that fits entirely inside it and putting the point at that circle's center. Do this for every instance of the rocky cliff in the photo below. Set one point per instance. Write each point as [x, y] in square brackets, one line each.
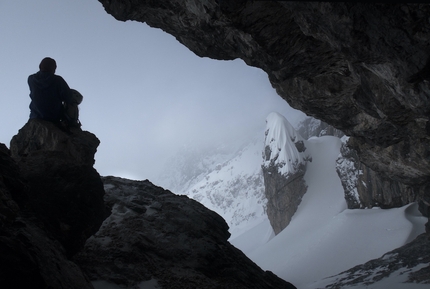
[63, 226]
[365, 188]
[284, 165]
[51, 202]
[310, 127]
[361, 67]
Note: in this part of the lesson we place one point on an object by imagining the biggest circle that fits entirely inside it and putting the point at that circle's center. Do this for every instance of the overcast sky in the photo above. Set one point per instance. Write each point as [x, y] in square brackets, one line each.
[145, 94]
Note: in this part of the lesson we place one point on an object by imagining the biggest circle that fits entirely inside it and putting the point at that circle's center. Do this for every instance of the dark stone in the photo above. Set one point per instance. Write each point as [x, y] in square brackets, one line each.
[310, 127]
[30, 258]
[366, 188]
[155, 234]
[284, 194]
[65, 191]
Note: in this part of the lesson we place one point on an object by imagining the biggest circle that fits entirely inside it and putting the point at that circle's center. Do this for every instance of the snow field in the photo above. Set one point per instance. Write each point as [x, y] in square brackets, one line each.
[324, 238]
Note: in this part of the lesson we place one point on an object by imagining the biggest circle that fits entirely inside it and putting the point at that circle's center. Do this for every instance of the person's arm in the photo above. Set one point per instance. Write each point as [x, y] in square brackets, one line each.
[64, 90]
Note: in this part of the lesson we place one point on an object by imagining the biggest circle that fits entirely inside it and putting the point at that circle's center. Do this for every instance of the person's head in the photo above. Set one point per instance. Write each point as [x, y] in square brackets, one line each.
[48, 65]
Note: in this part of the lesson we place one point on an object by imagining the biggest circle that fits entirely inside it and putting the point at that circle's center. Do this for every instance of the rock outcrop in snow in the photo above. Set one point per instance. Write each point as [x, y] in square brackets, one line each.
[284, 165]
[365, 188]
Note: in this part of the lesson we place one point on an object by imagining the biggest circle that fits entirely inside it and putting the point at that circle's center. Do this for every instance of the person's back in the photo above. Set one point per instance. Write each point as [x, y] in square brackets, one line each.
[49, 93]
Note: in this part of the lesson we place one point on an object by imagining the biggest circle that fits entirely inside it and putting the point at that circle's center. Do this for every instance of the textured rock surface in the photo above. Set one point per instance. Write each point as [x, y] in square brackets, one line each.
[284, 195]
[284, 166]
[155, 234]
[29, 257]
[66, 192]
[365, 188]
[310, 127]
[360, 67]
[410, 263]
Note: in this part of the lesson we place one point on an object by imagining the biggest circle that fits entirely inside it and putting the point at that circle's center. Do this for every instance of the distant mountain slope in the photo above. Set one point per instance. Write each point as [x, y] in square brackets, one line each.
[226, 179]
[235, 189]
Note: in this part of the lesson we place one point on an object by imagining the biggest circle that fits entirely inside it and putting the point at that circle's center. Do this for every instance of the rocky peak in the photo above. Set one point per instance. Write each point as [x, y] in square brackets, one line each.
[284, 165]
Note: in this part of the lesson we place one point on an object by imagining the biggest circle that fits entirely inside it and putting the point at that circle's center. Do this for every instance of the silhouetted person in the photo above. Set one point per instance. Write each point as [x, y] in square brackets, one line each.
[51, 97]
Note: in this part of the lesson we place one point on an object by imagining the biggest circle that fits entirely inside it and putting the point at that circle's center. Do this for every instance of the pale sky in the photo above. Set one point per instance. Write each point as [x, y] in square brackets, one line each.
[145, 94]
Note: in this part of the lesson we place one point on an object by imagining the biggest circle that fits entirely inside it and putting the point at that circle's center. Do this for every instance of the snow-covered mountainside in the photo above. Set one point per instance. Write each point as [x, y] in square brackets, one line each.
[235, 189]
[192, 163]
[325, 238]
[227, 180]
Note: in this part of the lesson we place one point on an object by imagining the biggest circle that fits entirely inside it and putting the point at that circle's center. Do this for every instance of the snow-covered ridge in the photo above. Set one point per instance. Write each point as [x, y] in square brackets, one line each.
[226, 178]
[284, 147]
[235, 189]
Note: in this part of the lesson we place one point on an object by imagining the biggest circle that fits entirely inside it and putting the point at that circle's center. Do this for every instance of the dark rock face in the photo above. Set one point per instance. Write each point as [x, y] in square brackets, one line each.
[284, 195]
[310, 127]
[361, 67]
[154, 234]
[65, 191]
[410, 261]
[29, 257]
[365, 188]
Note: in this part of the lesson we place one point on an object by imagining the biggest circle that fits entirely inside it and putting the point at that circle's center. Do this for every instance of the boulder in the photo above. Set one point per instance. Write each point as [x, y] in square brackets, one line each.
[156, 237]
[65, 191]
[30, 257]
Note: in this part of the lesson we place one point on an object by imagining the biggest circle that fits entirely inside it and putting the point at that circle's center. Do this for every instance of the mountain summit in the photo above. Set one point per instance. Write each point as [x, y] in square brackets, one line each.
[285, 160]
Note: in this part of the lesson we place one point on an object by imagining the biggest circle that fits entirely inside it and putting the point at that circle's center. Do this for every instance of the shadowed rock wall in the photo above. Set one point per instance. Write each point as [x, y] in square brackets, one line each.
[153, 234]
[65, 191]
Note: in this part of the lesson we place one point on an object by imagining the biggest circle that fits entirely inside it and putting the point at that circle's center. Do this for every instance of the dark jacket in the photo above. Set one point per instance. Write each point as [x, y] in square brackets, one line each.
[47, 92]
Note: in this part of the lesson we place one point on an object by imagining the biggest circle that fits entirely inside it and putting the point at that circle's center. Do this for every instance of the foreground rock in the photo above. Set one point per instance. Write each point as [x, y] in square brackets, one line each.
[361, 67]
[65, 191]
[30, 257]
[156, 237]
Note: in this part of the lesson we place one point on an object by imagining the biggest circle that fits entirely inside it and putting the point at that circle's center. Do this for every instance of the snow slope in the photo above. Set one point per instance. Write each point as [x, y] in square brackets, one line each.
[324, 238]
[235, 189]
